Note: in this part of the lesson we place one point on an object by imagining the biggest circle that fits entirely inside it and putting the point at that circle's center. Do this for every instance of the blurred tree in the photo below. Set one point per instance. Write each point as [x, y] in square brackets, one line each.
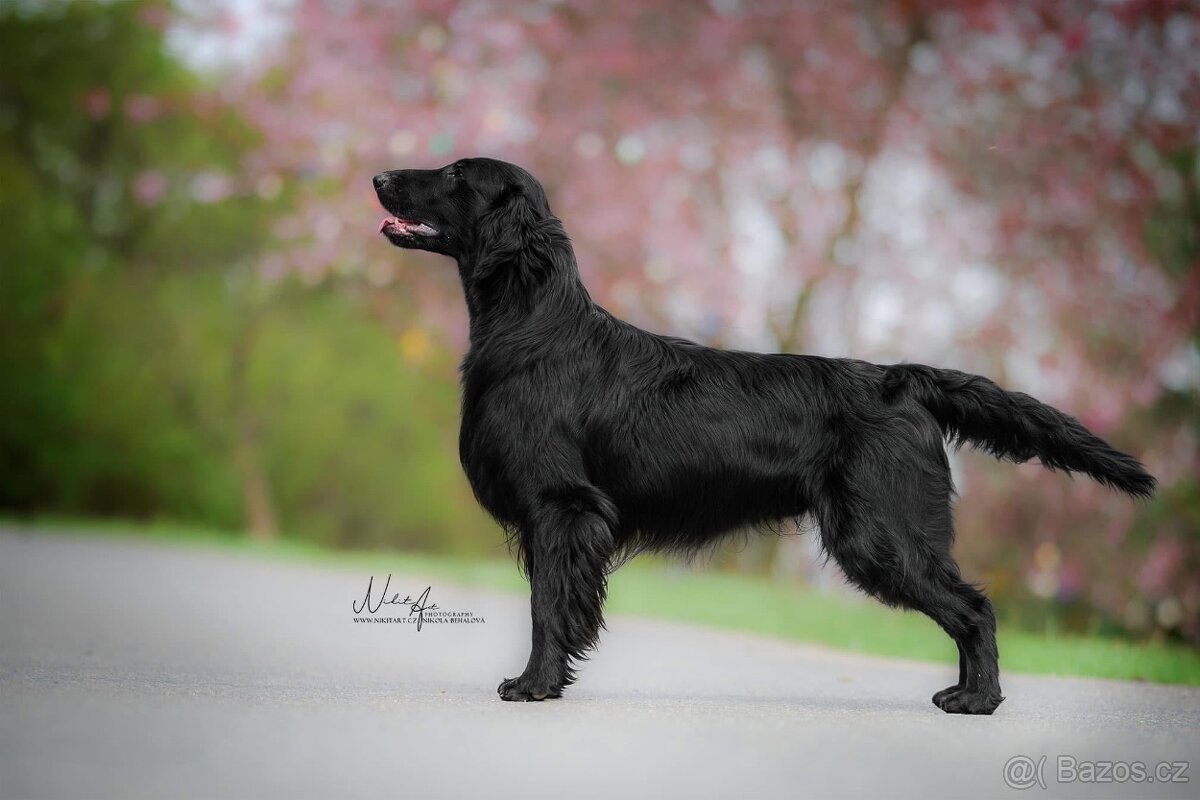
[1081, 140]
[114, 164]
[147, 371]
[1003, 187]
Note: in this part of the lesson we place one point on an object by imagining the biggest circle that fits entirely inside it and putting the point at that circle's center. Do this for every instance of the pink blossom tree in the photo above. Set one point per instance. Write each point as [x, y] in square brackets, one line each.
[1009, 188]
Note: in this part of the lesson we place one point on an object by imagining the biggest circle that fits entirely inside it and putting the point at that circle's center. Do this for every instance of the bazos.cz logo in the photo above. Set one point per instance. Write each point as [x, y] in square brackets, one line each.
[1023, 772]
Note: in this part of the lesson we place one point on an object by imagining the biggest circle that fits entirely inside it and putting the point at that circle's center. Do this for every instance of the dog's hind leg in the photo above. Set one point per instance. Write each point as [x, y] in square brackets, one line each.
[566, 546]
[891, 534]
[962, 678]
[966, 614]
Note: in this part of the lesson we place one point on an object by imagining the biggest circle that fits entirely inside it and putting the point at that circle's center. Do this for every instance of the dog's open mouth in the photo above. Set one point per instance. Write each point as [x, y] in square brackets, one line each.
[405, 227]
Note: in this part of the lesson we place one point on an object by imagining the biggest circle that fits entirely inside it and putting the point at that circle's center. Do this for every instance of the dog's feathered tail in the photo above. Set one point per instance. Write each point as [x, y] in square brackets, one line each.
[1014, 426]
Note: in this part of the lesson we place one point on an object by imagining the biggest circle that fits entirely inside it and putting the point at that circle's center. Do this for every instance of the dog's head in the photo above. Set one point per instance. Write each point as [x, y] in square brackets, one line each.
[462, 209]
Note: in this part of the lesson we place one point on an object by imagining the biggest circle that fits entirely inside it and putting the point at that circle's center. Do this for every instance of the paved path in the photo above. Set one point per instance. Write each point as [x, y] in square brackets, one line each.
[133, 670]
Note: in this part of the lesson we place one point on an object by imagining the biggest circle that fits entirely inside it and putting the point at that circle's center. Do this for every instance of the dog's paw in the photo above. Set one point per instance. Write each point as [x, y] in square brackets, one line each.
[944, 693]
[525, 690]
[957, 700]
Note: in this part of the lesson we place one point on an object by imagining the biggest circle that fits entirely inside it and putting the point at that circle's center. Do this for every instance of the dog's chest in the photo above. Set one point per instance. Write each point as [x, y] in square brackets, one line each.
[514, 433]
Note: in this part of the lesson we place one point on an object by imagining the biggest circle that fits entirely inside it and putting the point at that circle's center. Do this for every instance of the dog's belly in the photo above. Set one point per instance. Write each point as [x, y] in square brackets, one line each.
[694, 519]
[693, 498]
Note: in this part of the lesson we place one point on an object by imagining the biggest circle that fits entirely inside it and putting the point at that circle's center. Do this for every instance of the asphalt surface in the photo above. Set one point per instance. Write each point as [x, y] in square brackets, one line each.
[131, 669]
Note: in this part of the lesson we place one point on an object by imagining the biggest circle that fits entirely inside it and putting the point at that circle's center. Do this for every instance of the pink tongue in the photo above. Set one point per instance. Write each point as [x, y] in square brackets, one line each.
[386, 222]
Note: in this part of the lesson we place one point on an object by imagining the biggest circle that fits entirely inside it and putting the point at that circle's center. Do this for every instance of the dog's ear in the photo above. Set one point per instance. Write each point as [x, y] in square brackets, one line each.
[515, 234]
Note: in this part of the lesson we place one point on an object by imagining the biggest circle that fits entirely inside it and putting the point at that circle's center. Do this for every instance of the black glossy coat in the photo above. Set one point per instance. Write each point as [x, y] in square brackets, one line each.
[589, 439]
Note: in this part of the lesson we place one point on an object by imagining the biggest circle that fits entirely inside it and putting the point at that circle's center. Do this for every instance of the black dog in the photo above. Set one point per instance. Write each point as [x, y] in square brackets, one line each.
[589, 439]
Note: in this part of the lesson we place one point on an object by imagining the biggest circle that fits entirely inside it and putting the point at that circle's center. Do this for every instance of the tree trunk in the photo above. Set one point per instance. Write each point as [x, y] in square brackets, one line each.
[258, 506]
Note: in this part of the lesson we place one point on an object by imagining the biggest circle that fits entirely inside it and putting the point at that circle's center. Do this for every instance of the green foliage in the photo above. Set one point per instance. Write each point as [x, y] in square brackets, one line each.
[141, 356]
[142, 366]
[141, 415]
[83, 422]
[1172, 226]
[359, 444]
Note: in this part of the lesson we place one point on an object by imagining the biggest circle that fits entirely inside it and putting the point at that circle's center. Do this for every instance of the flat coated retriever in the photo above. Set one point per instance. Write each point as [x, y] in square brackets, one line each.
[589, 439]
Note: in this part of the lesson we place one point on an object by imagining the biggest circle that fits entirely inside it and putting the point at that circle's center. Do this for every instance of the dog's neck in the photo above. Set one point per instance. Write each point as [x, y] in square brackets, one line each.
[538, 281]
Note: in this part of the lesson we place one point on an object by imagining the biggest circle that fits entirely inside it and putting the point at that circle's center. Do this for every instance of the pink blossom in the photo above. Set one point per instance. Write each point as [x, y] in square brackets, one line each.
[149, 187]
[97, 102]
[142, 108]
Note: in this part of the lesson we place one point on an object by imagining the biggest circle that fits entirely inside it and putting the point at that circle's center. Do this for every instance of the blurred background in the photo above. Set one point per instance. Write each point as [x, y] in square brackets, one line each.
[199, 323]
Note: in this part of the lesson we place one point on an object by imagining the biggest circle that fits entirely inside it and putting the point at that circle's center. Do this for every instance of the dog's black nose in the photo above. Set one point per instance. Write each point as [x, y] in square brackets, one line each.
[380, 180]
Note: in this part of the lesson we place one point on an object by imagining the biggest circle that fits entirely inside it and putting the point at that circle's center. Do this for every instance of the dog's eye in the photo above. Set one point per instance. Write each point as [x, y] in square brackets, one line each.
[454, 171]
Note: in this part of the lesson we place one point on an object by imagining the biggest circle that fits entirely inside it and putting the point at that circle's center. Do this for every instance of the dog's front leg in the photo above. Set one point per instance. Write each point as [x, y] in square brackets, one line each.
[566, 552]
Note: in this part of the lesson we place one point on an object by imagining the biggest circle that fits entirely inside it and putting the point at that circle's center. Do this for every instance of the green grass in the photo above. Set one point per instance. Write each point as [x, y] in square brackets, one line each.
[737, 602]
[861, 625]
